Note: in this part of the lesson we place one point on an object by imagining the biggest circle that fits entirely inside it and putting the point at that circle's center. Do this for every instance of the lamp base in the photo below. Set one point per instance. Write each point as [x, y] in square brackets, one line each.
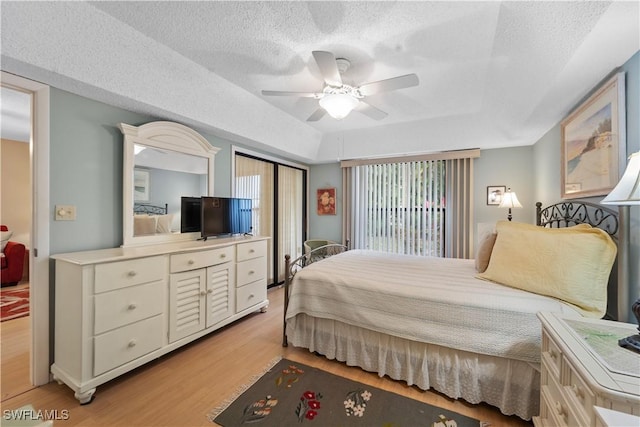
[632, 343]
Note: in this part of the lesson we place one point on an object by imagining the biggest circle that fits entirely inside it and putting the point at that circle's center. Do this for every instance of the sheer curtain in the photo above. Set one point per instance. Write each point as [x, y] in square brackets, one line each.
[419, 205]
[255, 181]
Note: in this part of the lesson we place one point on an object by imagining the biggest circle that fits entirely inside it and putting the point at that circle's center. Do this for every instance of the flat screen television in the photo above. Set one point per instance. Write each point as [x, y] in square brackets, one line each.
[190, 214]
[225, 216]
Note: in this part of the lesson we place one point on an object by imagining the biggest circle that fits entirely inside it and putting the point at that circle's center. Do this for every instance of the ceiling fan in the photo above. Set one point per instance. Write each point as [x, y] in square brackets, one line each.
[339, 99]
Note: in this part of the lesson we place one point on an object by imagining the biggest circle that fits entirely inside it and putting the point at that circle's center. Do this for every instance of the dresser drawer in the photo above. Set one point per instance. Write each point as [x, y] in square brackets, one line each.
[251, 270]
[556, 406]
[122, 274]
[194, 260]
[124, 306]
[251, 294]
[581, 397]
[251, 250]
[551, 354]
[123, 345]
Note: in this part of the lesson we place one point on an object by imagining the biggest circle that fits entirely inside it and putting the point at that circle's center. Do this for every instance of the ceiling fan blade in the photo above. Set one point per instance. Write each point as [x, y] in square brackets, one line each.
[370, 111]
[328, 67]
[317, 115]
[393, 83]
[285, 93]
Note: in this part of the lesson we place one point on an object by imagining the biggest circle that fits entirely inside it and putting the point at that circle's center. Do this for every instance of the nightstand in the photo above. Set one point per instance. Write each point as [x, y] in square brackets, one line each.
[583, 367]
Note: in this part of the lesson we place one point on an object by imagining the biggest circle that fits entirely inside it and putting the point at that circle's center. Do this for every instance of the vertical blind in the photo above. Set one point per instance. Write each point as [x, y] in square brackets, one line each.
[416, 206]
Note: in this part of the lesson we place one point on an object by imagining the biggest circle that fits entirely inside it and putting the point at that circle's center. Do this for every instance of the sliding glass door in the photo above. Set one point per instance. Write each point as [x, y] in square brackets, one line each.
[278, 194]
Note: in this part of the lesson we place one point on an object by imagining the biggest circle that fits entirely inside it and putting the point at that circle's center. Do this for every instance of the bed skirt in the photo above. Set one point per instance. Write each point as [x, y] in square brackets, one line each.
[511, 385]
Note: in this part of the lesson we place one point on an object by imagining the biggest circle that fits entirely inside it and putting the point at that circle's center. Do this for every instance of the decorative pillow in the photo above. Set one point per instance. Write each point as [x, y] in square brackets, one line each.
[144, 224]
[164, 223]
[4, 237]
[572, 264]
[483, 254]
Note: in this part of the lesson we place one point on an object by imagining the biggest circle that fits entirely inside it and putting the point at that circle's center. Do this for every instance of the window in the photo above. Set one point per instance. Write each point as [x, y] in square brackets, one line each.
[401, 207]
[416, 205]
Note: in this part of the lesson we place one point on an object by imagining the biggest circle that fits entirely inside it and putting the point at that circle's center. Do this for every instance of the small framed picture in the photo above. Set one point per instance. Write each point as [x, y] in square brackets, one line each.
[495, 193]
[326, 198]
[140, 185]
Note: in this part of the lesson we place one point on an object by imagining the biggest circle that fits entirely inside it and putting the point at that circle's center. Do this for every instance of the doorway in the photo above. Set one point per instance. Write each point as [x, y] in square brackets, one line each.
[37, 229]
[15, 216]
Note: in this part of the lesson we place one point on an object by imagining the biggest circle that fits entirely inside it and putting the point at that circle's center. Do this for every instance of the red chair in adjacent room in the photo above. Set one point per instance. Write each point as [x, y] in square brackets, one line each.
[12, 261]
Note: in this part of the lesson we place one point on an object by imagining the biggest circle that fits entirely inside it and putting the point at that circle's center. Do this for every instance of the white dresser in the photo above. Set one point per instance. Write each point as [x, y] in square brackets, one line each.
[583, 368]
[117, 309]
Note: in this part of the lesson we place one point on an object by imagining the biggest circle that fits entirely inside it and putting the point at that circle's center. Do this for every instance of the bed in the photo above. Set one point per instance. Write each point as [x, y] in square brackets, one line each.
[149, 219]
[403, 316]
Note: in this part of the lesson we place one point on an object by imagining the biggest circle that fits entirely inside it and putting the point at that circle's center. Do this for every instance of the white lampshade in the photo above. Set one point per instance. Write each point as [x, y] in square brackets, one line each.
[627, 192]
[510, 200]
[338, 105]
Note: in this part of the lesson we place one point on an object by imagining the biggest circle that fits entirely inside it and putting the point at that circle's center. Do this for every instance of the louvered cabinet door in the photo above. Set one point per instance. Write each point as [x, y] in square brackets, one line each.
[220, 292]
[187, 303]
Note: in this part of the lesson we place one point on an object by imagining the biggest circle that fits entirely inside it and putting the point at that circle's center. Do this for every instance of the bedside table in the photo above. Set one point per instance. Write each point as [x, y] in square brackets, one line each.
[583, 367]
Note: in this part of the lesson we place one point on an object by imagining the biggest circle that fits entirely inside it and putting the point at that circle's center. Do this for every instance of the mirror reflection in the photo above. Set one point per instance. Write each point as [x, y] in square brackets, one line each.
[160, 178]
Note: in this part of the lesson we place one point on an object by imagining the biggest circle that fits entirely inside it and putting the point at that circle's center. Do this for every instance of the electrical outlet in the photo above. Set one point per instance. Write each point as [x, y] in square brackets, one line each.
[65, 213]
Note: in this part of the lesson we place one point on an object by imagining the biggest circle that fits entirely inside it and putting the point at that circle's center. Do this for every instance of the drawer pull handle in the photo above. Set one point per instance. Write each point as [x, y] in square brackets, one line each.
[251, 296]
[251, 272]
[579, 394]
[132, 306]
[209, 291]
[552, 354]
[132, 273]
[560, 410]
[251, 251]
[132, 343]
[223, 255]
[203, 293]
[191, 262]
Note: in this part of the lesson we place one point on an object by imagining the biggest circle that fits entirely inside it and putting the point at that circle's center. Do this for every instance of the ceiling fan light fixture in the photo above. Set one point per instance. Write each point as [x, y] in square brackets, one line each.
[338, 105]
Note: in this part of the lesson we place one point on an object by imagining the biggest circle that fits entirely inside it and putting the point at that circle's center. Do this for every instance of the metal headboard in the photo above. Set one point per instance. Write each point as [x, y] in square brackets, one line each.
[145, 208]
[293, 266]
[569, 213]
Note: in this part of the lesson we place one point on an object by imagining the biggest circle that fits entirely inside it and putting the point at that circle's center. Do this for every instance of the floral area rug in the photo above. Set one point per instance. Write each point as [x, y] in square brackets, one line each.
[14, 303]
[292, 394]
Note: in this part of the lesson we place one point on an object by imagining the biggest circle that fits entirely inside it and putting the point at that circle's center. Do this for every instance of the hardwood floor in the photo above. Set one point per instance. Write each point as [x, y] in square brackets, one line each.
[180, 388]
[15, 344]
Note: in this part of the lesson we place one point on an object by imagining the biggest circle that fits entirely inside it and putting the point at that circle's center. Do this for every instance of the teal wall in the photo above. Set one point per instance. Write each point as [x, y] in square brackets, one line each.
[86, 170]
[546, 161]
[325, 226]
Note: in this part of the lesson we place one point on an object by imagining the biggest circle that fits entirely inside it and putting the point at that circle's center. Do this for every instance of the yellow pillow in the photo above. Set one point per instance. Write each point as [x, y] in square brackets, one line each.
[571, 264]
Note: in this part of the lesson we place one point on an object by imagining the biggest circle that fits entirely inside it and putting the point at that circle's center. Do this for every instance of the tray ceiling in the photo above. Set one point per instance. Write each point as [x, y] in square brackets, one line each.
[492, 74]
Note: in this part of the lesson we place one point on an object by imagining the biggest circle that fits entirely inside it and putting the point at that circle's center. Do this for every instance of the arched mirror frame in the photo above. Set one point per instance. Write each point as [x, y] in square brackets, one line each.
[166, 136]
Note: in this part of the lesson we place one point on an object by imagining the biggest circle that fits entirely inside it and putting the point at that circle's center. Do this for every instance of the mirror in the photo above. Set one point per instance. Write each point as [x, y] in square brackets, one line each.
[162, 162]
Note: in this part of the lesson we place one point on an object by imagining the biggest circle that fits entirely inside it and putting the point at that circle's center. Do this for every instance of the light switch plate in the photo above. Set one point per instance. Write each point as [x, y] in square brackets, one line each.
[65, 213]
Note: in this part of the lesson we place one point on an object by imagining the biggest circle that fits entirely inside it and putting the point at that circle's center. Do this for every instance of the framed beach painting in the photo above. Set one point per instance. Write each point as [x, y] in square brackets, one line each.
[326, 198]
[593, 140]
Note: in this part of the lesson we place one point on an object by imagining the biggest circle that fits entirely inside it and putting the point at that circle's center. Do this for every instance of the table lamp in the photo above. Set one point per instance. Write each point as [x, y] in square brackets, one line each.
[625, 194]
[510, 200]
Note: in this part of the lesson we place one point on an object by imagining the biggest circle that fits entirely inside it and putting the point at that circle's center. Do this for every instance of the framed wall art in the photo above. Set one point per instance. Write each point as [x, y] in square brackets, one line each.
[593, 142]
[326, 198]
[495, 193]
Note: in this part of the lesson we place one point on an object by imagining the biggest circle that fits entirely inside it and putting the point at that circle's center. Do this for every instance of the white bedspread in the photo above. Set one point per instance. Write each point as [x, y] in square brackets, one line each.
[431, 300]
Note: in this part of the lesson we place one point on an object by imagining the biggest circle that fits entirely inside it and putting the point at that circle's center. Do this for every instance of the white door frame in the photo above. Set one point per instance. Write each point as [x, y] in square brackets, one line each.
[39, 246]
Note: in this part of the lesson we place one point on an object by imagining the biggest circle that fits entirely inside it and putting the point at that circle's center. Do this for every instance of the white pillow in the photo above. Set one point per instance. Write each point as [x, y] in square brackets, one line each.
[5, 236]
[164, 223]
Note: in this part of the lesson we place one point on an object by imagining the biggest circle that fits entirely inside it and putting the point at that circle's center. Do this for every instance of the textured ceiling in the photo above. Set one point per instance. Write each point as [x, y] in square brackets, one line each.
[492, 74]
